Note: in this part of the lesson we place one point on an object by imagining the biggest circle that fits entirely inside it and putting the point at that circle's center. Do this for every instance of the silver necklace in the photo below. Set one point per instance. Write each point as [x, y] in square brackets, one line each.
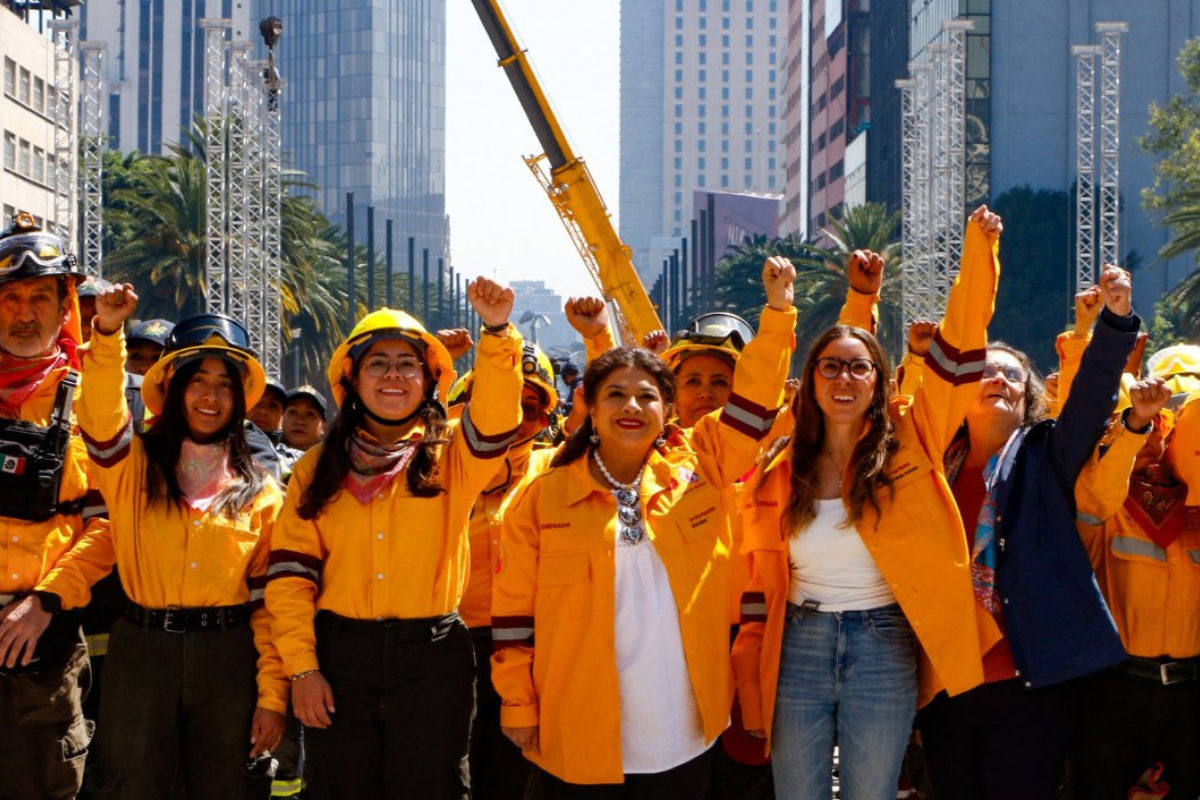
[629, 506]
[840, 472]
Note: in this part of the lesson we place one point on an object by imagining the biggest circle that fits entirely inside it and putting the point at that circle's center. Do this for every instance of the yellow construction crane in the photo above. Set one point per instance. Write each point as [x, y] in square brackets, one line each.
[570, 187]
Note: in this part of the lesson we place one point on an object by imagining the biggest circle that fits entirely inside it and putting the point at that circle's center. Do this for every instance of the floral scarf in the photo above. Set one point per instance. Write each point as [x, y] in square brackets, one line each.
[203, 471]
[373, 465]
[984, 552]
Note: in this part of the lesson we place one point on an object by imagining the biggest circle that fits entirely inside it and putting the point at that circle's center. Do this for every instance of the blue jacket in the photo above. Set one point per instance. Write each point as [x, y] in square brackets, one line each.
[1057, 622]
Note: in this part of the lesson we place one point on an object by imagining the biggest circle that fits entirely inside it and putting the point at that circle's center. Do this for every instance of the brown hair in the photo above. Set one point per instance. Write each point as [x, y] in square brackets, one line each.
[333, 463]
[1036, 408]
[870, 456]
[599, 370]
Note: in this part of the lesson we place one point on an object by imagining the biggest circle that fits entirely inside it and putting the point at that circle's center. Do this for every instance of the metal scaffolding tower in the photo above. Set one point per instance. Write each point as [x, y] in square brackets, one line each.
[1110, 140]
[934, 153]
[238, 222]
[92, 140]
[65, 33]
[272, 207]
[215, 161]
[1085, 165]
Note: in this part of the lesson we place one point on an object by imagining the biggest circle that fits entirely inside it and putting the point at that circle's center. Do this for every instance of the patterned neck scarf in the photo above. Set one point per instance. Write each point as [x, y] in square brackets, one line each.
[983, 554]
[21, 377]
[203, 471]
[374, 465]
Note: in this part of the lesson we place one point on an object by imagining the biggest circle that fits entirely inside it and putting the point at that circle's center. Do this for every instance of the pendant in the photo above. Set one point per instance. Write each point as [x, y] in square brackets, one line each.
[625, 497]
[629, 515]
[631, 534]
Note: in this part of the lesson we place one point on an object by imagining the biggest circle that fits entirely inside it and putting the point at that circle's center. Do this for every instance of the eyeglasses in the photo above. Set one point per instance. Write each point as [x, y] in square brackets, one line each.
[405, 366]
[860, 369]
[1011, 374]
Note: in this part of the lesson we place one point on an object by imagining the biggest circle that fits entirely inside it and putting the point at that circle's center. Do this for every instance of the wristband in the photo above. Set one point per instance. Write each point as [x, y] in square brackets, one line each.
[1125, 423]
[496, 330]
[299, 676]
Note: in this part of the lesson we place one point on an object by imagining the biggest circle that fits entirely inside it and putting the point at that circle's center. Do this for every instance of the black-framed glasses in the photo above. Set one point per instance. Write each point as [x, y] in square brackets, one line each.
[197, 330]
[1011, 373]
[860, 369]
[405, 366]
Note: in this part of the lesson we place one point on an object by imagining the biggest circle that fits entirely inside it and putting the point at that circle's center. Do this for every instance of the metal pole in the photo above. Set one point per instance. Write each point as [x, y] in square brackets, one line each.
[370, 258]
[412, 276]
[64, 33]
[239, 177]
[351, 288]
[441, 294]
[214, 162]
[1110, 141]
[1085, 167]
[92, 145]
[697, 274]
[425, 285]
[686, 300]
[391, 276]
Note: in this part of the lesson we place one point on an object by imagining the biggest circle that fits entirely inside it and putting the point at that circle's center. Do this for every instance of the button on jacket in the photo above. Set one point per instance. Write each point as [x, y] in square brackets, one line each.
[399, 556]
[169, 555]
[553, 604]
[917, 541]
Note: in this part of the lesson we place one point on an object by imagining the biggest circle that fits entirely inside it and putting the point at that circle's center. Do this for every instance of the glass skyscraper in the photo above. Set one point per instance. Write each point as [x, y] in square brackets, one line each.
[364, 110]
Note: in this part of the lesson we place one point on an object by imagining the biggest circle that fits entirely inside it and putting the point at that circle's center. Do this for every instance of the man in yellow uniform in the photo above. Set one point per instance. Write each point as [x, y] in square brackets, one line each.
[43, 494]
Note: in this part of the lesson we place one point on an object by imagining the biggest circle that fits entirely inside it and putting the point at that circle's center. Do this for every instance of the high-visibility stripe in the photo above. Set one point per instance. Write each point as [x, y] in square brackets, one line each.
[1088, 519]
[97, 644]
[286, 788]
[953, 365]
[746, 416]
[482, 445]
[289, 563]
[754, 607]
[109, 452]
[512, 632]
[1194, 555]
[1131, 546]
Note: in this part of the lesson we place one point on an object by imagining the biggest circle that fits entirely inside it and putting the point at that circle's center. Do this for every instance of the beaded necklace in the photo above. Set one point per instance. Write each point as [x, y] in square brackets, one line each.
[630, 530]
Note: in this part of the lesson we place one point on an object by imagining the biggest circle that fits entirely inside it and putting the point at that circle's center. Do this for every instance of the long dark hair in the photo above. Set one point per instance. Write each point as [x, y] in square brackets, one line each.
[870, 455]
[333, 463]
[163, 442]
[597, 372]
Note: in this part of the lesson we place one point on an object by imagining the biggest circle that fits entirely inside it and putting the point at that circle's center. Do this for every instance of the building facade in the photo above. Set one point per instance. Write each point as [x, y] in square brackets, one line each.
[364, 109]
[154, 69]
[702, 86]
[27, 108]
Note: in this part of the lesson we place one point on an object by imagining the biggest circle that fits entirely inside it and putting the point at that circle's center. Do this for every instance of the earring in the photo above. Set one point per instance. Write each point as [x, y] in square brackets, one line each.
[661, 441]
[594, 438]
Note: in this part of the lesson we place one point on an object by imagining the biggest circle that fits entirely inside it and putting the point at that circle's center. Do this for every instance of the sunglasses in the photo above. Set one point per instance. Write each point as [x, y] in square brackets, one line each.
[860, 369]
[1011, 374]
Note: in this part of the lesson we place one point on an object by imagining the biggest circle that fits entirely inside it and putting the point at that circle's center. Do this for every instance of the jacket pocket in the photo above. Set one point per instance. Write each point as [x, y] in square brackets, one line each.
[563, 584]
[1139, 568]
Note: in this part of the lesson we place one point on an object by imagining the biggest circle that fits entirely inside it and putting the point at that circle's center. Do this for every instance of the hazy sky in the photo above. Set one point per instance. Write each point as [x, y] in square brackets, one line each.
[502, 223]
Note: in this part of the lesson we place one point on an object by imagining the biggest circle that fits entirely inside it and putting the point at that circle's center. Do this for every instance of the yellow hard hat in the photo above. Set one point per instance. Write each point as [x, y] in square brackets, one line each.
[460, 392]
[1178, 365]
[718, 333]
[1184, 449]
[204, 336]
[384, 324]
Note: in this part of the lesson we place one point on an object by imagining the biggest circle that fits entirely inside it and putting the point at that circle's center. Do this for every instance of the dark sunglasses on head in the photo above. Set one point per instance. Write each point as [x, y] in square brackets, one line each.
[197, 330]
[831, 367]
[1011, 374]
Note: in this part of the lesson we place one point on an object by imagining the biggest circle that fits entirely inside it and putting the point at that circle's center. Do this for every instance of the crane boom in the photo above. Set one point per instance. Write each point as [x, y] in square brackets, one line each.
[570, 187]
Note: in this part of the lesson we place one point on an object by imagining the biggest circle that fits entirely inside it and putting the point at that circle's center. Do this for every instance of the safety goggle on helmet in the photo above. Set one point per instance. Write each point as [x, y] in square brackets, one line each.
[726, 334]
[204, 336]
[26, 251]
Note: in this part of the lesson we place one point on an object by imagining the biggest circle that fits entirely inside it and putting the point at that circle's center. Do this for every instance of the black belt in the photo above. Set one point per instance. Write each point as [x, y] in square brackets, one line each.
[182, 620]
[418, 629]
[1164, 672]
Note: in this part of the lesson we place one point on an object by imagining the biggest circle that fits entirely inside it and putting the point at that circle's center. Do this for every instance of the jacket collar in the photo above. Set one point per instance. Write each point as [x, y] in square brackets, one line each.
[659, 476]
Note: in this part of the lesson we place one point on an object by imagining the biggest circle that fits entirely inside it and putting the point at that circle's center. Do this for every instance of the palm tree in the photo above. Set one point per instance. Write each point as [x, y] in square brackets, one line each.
[1181, 305]
[821, 282]
[160, 210]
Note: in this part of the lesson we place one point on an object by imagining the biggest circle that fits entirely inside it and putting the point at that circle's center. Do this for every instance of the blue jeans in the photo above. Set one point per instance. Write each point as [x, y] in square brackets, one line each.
[847, 678]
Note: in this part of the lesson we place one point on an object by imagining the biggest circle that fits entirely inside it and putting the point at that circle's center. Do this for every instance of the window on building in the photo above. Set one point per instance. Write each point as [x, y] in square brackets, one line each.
[679, 129]
[679, 40]
[703, 39]
[749, 164]
[39, 95]
[703, 74]
[10, 77]
[724, 145]
[724, 92]
[700, 145]
[749, 92]
[821, 181]
[749, 111]
[678, 162]
[725, 57]
[51, 100]
[678, 57]
[701, 163]
[678, 198]
[702, 93]
[724, 181]
[837, 87]
[837, 170]
[725, 40]
[725, 164]
[678, 111]
[703, 56]
[724, 23]
[700, 181]
[679, 76]
[703, 23]
[679, 23]
[678, 181]
[820, 142]
[749, 41]
[701, 128]
[24, 155]
[749, 58]
[24, 83]
[749, 76]
[679, 145]
[771, 164]
[724, 128]
[771, 58]
[678, 92]
[749, 128]
[10, 150]
[749, 5]
[678, 215]
[835, 130]
[725, 111]
[773, 23]
[39, 165]
[725, 76]
[679, 5]
[701, 111]
[10, 214]
[749, 24]
[822, 101]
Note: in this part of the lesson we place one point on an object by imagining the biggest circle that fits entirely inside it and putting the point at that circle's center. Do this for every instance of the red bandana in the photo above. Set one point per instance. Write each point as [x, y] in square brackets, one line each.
[21, 377]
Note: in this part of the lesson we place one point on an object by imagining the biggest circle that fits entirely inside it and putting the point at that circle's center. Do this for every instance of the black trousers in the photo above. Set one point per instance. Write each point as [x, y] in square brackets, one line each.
[43, 734]
[999, 741]
[1126, 723]
[176, 712]
[688, 781]
[404, 691]
[498, 769]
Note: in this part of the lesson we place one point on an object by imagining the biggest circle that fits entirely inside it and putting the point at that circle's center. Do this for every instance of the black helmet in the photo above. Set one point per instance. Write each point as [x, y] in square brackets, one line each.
[26, 251]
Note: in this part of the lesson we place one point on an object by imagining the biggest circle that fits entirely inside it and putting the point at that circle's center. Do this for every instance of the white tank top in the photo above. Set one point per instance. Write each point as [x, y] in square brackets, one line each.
[830, 564]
